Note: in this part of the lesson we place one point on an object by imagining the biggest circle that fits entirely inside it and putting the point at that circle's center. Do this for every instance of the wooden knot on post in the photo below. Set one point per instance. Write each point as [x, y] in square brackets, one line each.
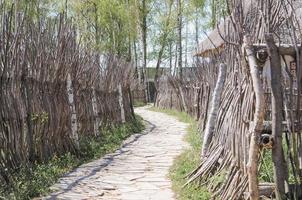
[266, 141]
[266, 138]
[261, 56]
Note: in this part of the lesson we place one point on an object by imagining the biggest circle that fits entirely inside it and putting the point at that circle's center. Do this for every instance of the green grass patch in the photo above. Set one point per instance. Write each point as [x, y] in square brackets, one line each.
[29, 182]
[266, 169]
[187, 161]
[138, 104]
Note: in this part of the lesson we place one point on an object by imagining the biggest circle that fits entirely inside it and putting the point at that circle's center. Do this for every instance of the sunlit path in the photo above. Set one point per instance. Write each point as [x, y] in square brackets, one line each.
[136, 171]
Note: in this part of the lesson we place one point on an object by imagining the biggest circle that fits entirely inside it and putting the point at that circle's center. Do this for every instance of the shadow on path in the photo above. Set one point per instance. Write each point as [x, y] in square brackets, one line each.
[109, 159]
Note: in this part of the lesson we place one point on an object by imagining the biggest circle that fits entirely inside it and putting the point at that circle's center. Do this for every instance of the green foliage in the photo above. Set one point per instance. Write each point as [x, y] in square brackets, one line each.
[266, 172]
[266, 169]
[139, 104]
[110, 24]
[32, 181]
[187, 161]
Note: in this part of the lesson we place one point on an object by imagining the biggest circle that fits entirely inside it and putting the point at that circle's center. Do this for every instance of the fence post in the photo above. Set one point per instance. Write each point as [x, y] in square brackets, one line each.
[74, 125]
[120, 92]
[96, 123]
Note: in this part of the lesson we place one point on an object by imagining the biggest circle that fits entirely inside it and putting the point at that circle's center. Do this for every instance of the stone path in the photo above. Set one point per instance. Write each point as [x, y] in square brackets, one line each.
[137, 171]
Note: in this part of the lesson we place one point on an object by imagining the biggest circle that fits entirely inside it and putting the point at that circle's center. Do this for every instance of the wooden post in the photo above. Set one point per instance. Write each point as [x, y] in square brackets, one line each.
[280, 166]
[252, 166]
[120, 92]
[97, 120]
[131, 102]
[208, 133]
[74, 125]
[183, 98]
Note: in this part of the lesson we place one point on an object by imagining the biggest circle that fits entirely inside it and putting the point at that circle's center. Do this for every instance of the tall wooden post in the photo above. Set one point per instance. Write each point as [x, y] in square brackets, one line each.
[208, 133]
[252, 166]
[74, 124]
[120, 92]
[280, 166]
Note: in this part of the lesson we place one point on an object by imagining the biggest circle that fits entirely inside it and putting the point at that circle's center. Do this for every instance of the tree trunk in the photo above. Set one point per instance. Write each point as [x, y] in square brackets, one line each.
[97, 35]
[162, 48]
[208, 133]
[179, 23]
[280, 166]
[136, 62]
[252, 166]
[144, 40]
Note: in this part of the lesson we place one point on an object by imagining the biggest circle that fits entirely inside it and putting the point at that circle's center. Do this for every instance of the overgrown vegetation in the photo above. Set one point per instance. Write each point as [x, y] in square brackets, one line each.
[187, 161]
[138, 104]
[35, 180]
[266, 172]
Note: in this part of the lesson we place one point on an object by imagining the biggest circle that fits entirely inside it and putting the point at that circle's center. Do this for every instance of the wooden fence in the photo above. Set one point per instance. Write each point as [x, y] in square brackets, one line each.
[236, 150]
[54, 91]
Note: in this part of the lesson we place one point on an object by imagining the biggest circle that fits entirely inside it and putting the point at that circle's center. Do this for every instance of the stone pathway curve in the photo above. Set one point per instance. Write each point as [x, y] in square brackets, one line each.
[137, 171]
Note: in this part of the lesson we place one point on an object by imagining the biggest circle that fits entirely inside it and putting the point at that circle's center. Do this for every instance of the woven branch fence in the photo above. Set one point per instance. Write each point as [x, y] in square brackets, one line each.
[53, 91]
[229, 151]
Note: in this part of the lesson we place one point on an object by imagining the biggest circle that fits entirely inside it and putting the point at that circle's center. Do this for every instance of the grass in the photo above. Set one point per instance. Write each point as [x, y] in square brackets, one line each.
[138, 104]
[266, 171]
[34, 181]
[187, 161]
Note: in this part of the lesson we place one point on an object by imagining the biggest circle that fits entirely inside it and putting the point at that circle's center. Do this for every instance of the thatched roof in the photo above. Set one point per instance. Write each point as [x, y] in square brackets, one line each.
[215, 40]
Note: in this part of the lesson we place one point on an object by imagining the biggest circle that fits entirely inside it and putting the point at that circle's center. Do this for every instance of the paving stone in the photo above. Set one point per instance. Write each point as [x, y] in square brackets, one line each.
[137, 171]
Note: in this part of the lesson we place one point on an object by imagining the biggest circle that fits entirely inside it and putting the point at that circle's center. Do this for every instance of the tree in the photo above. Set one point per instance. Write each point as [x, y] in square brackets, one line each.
[163, 40]
[179, 29]
[143, 26]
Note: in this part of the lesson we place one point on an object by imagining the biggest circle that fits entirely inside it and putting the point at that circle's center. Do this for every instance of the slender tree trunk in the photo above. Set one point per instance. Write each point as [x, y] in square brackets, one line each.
[186, 46]
[156, 77]
[252, 166]
[197, 29]
[162, 48]
[170, 57]
[136, 61]
[197, 35]
[213, 5]
[179, 23]
[144, 40]
[208, 133]
[280, 166]
[97, 34]
[175, 72]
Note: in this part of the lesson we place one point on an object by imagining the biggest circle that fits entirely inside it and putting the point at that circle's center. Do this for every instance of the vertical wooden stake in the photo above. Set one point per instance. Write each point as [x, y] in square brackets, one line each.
[74, 125]
[252, 166]
[120, 92]
[280, 166]
[208, 133]
[97, 120]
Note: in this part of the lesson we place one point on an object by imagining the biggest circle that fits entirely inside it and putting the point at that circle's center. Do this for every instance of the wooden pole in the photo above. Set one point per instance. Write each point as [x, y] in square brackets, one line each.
[252, 166]
[280, 166]
[121, 103]
[72, 106]
[208, 133]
